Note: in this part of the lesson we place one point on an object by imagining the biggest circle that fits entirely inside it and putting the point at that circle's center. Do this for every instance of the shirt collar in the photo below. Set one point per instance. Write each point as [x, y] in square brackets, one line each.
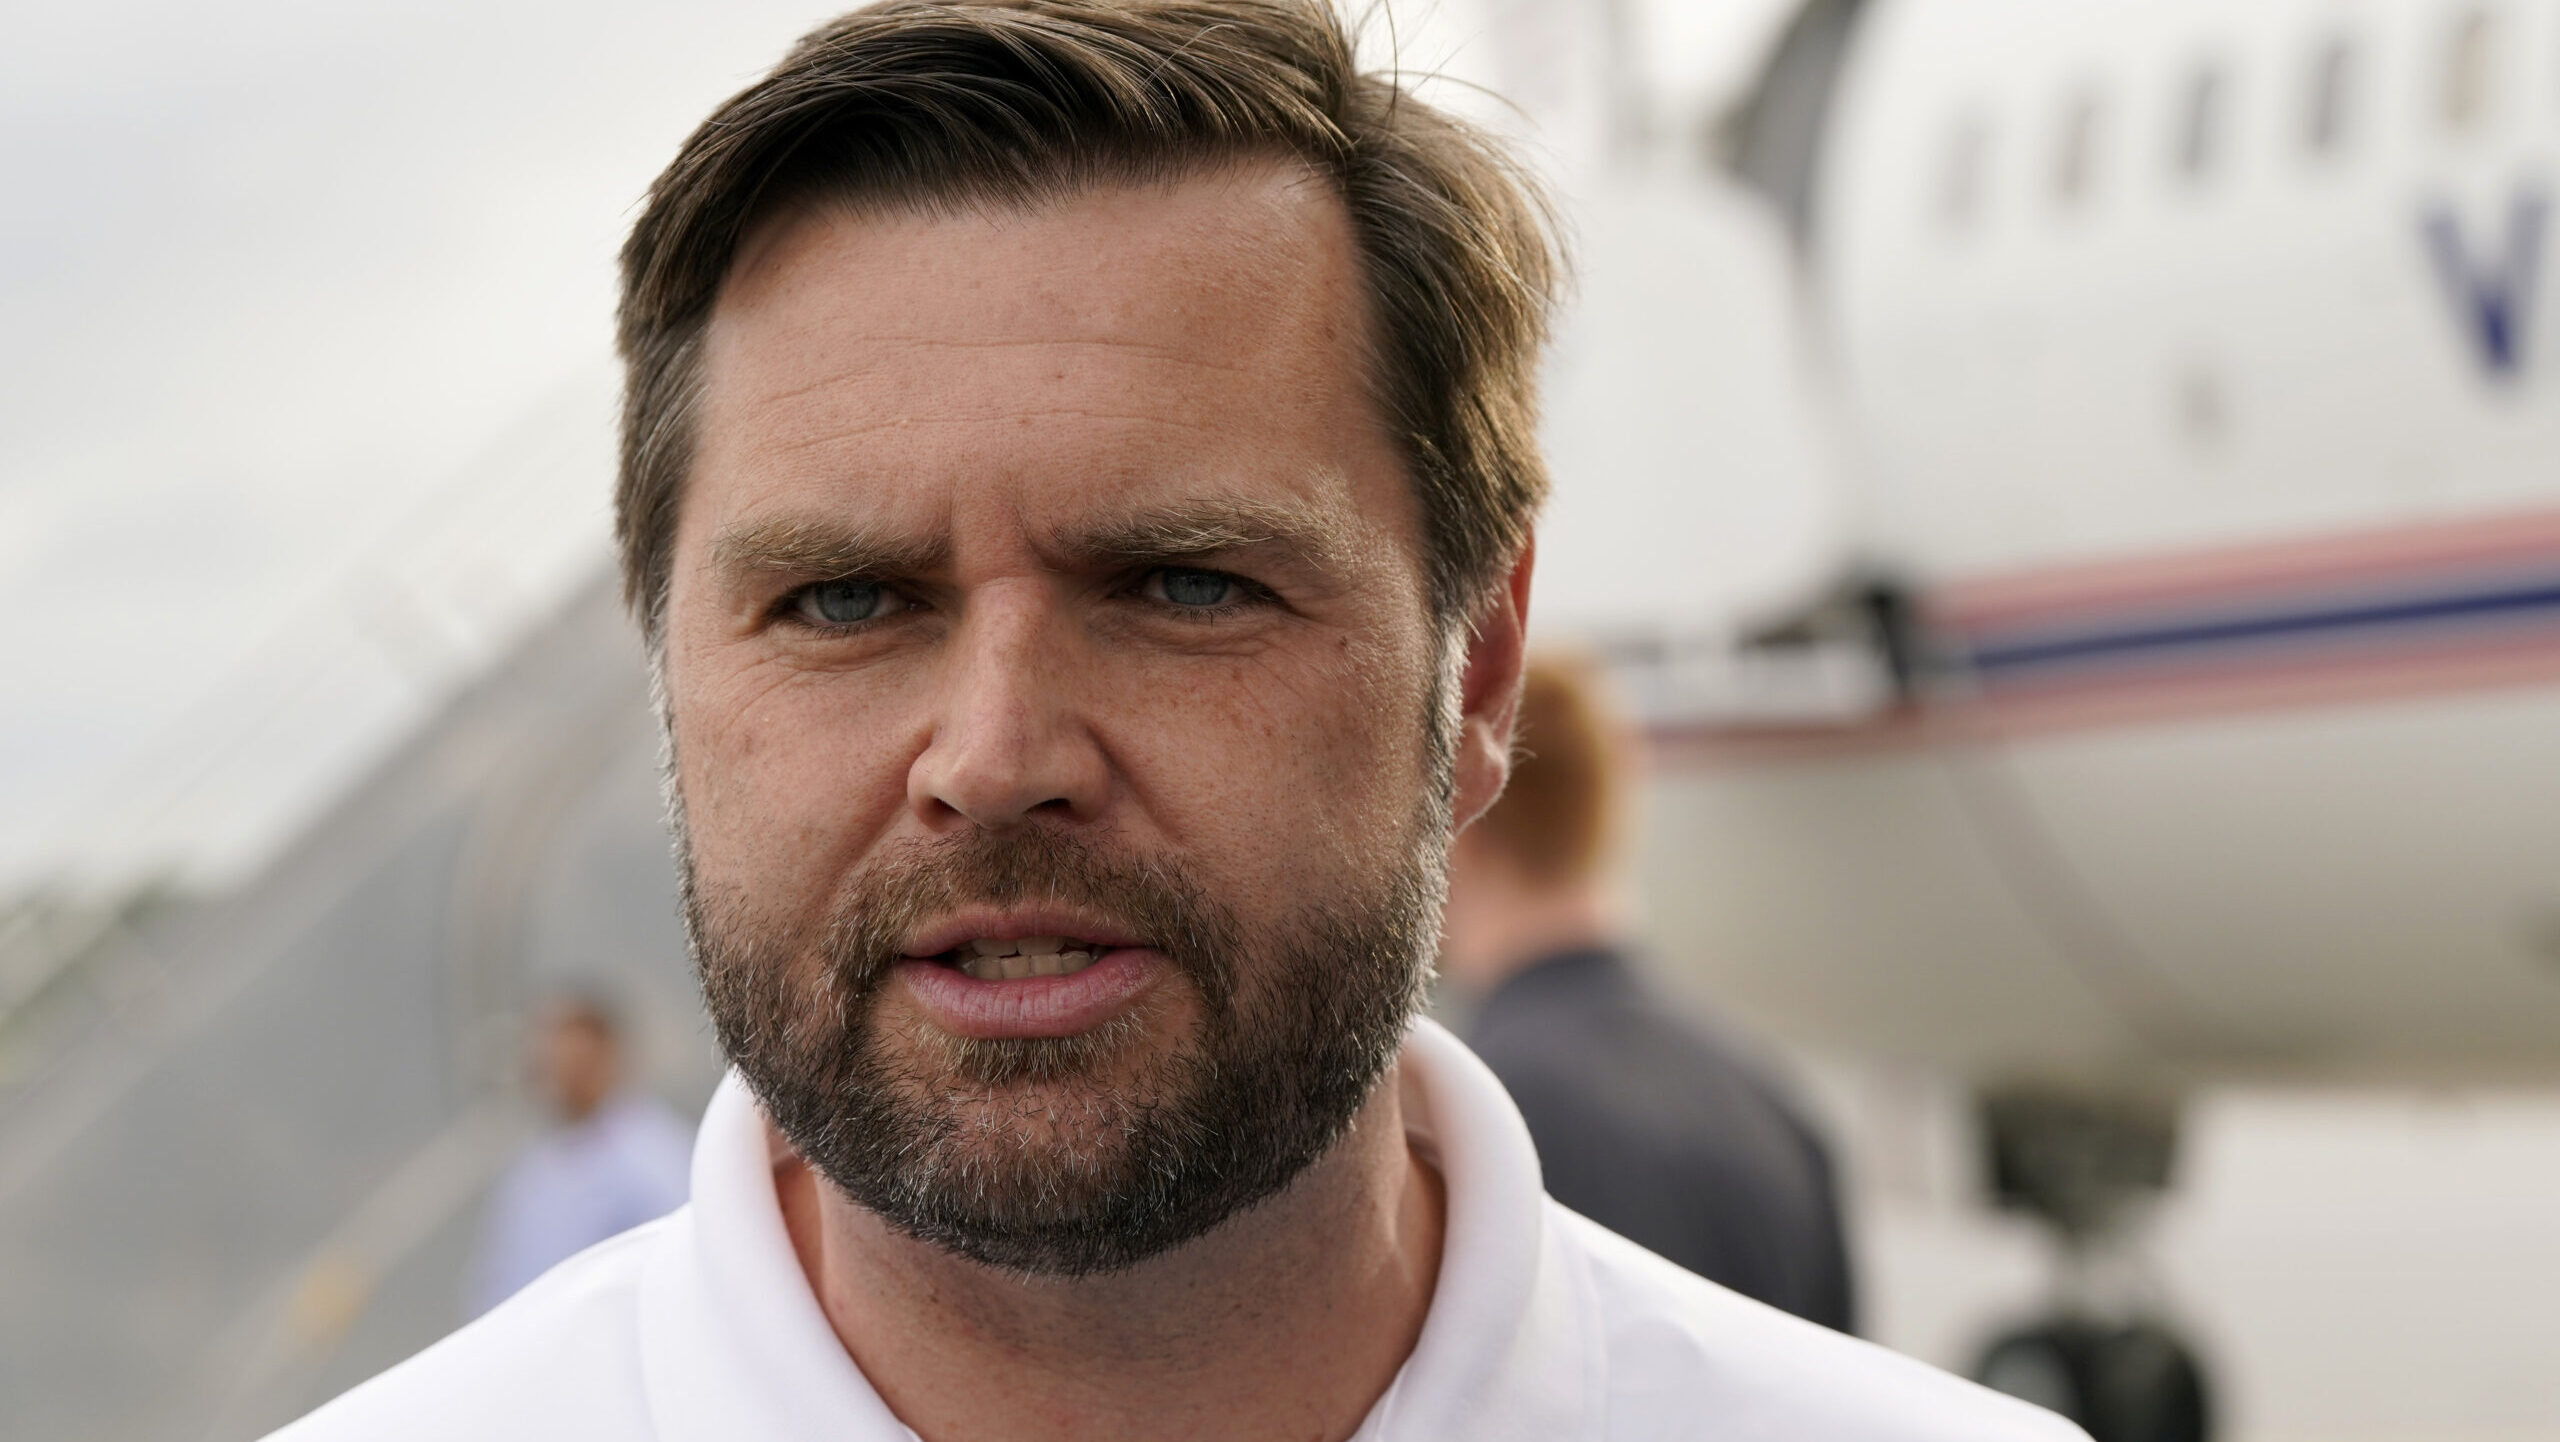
[1508, 1353]
[733, 1343]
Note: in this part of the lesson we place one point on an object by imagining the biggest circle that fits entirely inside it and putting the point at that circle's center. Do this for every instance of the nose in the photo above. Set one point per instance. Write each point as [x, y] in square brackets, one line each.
[1010, 742]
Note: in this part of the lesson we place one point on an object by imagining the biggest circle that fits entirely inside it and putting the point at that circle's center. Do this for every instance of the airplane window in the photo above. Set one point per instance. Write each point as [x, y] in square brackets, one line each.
[2200, 122]
[2075, 157]
[1968, 156]
[2469, 61]
[2333, 82]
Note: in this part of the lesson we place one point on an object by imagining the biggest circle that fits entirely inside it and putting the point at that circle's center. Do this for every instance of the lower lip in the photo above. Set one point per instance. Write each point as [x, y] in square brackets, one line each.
[1029, 1006]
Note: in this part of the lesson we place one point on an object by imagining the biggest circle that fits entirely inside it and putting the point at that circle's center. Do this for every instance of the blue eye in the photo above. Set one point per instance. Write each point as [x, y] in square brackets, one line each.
[1196, 588]
[841, 603]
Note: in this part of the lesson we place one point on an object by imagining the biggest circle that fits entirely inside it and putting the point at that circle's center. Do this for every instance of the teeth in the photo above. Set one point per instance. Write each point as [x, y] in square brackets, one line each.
[1026, 946]
[1018, 966]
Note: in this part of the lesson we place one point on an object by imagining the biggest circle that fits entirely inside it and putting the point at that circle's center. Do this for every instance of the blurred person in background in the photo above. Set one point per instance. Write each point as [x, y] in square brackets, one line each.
[1648, 1124]
[612, 1158]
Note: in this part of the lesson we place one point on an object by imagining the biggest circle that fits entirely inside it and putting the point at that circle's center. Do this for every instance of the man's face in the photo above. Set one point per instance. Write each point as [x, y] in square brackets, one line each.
[576, 1065]
[1046, 584]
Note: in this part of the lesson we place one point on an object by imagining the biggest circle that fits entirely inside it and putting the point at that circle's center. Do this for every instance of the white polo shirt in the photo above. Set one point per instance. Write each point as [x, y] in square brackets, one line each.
[701, 1327]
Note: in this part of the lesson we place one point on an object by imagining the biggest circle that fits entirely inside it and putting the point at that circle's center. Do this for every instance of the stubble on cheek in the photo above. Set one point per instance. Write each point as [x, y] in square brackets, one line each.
[1357, 755]
[775, 815]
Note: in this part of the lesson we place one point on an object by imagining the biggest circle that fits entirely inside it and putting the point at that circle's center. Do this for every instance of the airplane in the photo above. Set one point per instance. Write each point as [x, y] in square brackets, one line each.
[2178, 702]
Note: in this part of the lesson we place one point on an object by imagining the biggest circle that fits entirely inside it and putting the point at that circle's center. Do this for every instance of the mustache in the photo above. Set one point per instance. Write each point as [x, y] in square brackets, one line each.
[1150, 896]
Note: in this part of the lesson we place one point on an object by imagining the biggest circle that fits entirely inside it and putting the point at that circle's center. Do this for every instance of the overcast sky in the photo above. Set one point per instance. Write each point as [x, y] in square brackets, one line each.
[306, 390]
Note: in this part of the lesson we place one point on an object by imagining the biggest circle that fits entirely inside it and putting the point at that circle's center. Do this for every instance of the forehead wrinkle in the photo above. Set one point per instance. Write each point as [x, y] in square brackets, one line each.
[1194, 358]
[848, 377]
[996, 411]
[800, 546]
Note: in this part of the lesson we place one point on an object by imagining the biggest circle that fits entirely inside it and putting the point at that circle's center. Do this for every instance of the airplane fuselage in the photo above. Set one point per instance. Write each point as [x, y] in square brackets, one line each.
[2199, 369]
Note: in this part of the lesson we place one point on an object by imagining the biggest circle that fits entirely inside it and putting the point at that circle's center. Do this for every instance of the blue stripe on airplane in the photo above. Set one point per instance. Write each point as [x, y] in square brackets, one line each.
[2013, 656]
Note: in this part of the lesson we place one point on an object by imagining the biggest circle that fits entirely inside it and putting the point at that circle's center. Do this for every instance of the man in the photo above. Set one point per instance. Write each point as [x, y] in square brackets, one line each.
[1076, 488]
[616, 1158]
[1644, 1124]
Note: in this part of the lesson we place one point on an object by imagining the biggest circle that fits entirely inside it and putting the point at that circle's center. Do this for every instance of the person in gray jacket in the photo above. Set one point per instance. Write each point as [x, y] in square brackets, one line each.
[1646, 1121]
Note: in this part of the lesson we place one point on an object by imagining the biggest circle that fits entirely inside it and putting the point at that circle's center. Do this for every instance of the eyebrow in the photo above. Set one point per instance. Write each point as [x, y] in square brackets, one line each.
[1155, 536]
[1188, 530]
[798, 547]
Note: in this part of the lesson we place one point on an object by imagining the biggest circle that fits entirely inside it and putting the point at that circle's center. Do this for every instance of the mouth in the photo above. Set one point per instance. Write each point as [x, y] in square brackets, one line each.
[1019, 958]
[980, 976]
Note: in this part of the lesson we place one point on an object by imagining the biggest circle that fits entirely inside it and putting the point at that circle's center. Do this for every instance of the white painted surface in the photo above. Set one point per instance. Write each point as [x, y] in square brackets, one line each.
[2025, 383]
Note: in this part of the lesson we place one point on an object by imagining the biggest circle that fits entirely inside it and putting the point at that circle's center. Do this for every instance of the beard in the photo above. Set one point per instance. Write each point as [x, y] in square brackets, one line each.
[1068, 1156]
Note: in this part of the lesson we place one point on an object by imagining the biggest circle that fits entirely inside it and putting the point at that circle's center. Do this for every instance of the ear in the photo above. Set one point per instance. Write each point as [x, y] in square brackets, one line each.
[1489, 690]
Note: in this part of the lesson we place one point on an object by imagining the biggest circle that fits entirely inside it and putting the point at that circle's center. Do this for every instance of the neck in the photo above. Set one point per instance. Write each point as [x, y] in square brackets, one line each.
[1286, 1322]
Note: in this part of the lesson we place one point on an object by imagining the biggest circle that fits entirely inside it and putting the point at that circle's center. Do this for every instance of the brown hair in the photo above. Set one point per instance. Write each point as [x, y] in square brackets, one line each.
[1558, 818]
[1010, 101]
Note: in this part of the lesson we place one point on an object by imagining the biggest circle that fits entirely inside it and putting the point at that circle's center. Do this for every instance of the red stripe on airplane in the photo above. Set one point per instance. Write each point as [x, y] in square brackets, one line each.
[2063, 595]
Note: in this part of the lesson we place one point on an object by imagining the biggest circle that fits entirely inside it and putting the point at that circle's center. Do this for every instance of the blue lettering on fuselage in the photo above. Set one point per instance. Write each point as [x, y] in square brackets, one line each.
[2492, 294]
